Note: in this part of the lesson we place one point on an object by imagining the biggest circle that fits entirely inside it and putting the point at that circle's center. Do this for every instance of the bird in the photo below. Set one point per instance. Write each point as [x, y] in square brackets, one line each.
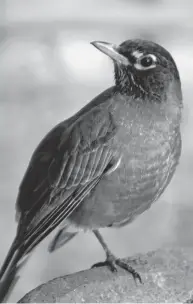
[106, 164]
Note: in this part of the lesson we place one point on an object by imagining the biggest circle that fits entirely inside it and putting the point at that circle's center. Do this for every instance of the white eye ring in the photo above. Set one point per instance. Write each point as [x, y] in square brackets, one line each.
[152, 64]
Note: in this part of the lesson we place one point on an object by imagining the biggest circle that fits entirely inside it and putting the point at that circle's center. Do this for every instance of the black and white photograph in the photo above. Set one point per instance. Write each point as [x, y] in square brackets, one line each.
[96, 151]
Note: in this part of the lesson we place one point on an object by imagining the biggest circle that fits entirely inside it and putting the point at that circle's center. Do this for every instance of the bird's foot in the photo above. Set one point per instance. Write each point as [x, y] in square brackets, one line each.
[112, 262]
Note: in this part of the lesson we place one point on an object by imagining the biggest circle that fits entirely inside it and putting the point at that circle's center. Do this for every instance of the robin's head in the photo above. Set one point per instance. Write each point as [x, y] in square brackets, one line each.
[142, 68]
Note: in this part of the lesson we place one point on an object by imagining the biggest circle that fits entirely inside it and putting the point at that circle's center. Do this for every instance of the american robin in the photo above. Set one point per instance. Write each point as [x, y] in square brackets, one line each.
[109, 162]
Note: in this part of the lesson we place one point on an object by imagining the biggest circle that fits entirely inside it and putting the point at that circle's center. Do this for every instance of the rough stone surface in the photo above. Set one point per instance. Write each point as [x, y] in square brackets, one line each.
[167, 276]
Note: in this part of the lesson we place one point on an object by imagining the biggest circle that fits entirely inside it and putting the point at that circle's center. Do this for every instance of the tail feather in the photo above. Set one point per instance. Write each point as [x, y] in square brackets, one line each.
[17, 256]
[9, 271]
[7, 285]
[9, 256]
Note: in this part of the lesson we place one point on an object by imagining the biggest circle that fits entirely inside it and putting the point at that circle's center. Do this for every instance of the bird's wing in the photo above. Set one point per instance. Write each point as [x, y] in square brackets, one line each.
[35, 185]
[63, 170]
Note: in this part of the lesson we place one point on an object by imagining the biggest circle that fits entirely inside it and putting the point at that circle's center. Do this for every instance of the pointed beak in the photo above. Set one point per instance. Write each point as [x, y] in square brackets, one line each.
[112, 51]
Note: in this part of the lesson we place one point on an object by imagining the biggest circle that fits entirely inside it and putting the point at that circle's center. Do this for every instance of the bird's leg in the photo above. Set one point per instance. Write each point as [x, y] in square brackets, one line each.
[111, 261]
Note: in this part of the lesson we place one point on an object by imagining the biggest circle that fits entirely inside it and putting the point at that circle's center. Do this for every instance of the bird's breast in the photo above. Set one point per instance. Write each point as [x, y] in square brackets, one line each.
[148, 151]
[147, 165]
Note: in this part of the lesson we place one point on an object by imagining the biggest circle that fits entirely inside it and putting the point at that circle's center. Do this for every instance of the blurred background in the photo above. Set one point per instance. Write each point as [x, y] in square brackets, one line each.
[48, 70]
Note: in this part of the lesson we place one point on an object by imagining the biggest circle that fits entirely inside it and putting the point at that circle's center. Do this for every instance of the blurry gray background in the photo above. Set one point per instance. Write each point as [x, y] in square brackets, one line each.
[48, 70]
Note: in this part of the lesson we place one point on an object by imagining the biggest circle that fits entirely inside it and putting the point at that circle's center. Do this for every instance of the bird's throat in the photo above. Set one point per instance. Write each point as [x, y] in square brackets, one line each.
[128, 83]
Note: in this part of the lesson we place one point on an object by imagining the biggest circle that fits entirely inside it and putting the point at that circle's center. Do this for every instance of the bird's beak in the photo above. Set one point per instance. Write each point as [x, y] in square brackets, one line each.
[112, 51]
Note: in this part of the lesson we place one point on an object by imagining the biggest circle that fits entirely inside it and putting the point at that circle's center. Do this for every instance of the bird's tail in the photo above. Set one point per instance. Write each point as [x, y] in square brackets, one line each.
[61, 238]
[9, 270]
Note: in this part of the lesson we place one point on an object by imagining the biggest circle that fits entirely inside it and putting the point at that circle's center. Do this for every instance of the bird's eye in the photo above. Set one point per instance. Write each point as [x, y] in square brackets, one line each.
[146, 62]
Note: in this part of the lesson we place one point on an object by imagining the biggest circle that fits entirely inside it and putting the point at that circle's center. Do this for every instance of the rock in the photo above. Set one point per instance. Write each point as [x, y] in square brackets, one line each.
[167, 276]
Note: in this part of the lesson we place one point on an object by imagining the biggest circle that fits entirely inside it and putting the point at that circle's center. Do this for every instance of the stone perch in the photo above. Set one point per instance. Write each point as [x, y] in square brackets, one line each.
[167, 275]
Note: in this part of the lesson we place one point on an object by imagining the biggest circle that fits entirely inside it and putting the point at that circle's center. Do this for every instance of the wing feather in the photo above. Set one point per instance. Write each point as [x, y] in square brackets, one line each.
[50, 222]
[78, 162]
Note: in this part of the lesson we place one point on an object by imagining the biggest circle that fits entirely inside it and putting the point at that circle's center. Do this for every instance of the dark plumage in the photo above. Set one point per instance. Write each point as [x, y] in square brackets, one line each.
[109, 162]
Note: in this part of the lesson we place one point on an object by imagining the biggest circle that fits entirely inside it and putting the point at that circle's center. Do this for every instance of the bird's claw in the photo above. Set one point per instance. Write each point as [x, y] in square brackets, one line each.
[127, 267]
[112, 263]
